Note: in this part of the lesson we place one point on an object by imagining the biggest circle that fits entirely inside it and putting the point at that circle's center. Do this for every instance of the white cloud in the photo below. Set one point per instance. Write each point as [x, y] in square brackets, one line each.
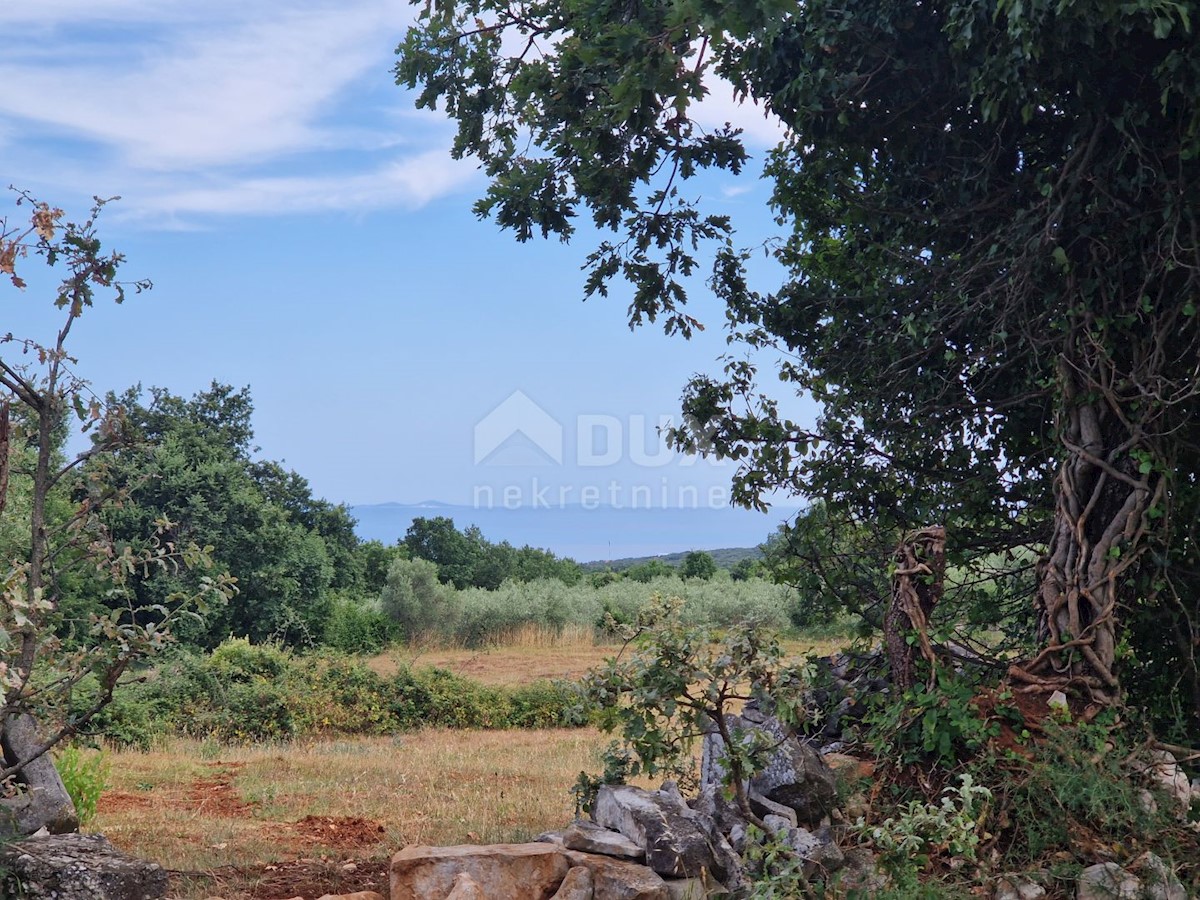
[233, 107]
[720, 106]
[407, 183]
[191, 108]
[232, 92]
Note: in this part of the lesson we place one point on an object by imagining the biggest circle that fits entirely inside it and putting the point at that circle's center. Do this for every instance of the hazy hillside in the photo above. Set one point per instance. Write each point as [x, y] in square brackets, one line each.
[726, 557]
[582, 533]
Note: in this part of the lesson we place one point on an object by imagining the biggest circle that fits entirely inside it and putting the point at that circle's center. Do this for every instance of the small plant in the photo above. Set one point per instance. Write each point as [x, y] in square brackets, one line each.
[778, 874]
[941, 725]
[681, 682]
[921, 831]
[85, 776]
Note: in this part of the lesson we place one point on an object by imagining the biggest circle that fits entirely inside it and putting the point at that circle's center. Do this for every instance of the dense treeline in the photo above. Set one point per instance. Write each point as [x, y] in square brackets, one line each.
[189, 470]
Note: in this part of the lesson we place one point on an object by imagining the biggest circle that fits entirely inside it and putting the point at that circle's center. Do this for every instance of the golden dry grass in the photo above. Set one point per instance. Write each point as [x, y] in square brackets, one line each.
[197, 808]
[538, 656]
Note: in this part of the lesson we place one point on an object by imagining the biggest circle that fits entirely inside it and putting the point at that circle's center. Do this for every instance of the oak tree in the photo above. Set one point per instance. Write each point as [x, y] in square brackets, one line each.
[987, 213]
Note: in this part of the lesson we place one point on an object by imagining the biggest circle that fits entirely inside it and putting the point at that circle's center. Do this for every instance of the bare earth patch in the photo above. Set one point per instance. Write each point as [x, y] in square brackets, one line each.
[341, 832]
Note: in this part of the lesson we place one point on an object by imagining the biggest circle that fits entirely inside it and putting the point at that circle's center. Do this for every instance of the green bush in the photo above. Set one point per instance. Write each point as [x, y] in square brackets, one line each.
[414, 599]
[228, 696]
[358, 627]
[238, 660]
[547, 704]
[84, 775]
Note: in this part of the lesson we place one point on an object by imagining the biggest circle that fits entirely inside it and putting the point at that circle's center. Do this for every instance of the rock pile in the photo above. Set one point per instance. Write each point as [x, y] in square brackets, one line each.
[652, 845]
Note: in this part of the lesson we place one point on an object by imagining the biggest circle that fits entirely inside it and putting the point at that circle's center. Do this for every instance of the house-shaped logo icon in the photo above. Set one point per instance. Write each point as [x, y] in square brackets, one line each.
[518, 432]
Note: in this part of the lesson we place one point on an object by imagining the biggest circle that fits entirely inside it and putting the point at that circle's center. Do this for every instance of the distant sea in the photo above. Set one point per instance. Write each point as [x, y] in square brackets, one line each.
[585, 533]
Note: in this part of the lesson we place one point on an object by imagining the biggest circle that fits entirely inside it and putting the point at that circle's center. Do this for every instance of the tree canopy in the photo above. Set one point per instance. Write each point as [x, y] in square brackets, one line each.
[468, 559]
[193, 466]
[988, 218]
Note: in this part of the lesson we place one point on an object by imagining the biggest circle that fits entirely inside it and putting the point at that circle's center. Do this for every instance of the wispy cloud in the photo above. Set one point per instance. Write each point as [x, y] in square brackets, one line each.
[232, 107]
[409, 182]
[198, 112]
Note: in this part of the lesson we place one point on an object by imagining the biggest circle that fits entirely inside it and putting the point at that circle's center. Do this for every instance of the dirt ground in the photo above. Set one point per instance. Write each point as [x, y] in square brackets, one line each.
[349, 853]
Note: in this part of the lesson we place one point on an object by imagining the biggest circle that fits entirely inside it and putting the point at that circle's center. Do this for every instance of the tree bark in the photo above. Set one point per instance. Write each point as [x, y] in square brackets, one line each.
[917, 585]
[1105, 487]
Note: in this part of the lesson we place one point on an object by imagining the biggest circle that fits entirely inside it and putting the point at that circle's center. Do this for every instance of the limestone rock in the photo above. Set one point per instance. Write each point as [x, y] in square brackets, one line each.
[80, 867]
[590, 838]
[528, 871]
[578, 885]
[357, 895]
[861, 876]
[1174, 781]
[616, 879]
[466, 888]
[1016, 888]
[818, 849]
[1107, 881]
[695, 889]
[1160, 882]
[795, 775]
[678, 842]
[44, 803]
[712, 804]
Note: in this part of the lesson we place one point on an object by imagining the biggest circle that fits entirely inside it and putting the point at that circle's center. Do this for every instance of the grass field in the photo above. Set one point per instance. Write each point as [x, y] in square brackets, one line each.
[233, 811]
[537, 654]
[286, 820]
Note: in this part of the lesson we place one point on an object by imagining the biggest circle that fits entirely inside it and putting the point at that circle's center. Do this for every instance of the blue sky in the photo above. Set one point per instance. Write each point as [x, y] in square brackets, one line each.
[308, 234]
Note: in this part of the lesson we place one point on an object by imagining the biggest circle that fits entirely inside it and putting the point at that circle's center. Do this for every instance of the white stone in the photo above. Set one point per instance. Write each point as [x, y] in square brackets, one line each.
[1161, 883]
[1107, 881]
[1172, 778]
[1058, 703]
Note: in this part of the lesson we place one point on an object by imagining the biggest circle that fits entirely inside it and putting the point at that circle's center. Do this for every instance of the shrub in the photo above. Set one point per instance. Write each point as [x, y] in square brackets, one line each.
[84, 775]
[414, 599]
[238, 660]
[227, 696]
[358, 626]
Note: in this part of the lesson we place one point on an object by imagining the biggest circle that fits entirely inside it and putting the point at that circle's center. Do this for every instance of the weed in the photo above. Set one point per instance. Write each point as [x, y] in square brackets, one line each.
[84, 775]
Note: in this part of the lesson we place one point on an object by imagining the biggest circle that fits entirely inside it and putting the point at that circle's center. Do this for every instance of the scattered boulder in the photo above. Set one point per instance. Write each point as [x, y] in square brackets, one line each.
[817, 850]
[860, 876]
[616, 879]
[590, 838]
[795, 776]
[532, 871]
[1017, 888]
[79, 867]
[695, 889]
[678, 841]
[1107, 881]
[578, 885]
[1166, 771]
[43, 801]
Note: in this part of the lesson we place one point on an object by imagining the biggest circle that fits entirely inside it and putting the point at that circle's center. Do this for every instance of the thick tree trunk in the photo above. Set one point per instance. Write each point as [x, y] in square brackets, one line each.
[917, 585]
[1104, 490]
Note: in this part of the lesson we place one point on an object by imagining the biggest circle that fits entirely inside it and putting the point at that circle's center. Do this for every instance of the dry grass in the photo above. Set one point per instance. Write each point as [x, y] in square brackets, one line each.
[198, 808]
[221, 817]
[538, 654]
